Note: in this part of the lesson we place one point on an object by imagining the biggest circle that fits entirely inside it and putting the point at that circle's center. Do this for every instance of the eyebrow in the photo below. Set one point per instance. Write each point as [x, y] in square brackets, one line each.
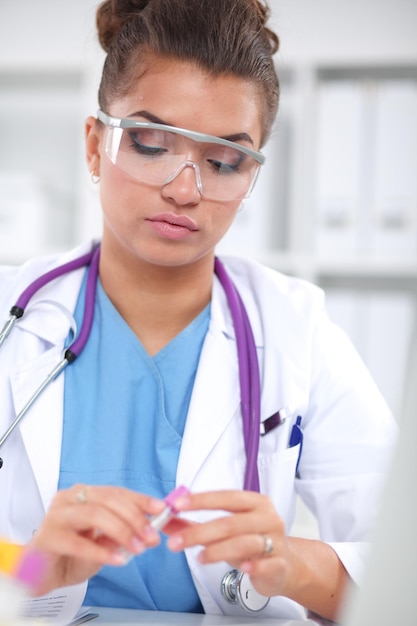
[157, 120]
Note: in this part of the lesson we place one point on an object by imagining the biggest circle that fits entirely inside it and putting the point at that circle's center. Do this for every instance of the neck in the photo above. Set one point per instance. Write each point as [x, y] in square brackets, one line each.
[157, 302]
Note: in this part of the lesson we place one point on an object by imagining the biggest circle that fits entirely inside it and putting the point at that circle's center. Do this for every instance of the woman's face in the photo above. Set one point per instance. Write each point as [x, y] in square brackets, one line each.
[172, 224]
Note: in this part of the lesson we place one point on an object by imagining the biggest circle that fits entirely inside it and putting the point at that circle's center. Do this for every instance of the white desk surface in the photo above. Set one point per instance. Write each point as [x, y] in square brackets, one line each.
[162, 618]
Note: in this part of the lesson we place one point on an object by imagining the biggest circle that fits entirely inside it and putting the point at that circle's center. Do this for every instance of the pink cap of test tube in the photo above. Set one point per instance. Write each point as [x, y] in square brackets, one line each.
[31, 569]
[176, 493]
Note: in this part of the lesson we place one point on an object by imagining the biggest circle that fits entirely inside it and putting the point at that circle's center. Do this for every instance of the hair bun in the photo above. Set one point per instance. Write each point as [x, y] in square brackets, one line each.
[264, 13]
[112, 15]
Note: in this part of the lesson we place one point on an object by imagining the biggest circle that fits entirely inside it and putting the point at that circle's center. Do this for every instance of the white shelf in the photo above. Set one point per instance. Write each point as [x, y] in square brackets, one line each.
[313, 268]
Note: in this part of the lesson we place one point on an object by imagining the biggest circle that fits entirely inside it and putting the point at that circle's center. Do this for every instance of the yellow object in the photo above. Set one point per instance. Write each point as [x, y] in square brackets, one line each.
[10, 554]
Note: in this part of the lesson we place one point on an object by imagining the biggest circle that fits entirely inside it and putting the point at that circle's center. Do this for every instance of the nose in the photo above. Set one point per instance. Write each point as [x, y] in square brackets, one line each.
[184, 184]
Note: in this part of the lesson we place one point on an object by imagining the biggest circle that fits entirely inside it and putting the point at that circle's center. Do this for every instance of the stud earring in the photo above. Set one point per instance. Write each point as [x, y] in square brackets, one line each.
[94, 178]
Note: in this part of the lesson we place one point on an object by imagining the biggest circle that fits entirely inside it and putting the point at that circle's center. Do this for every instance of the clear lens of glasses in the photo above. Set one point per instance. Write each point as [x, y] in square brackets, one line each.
[156, 157]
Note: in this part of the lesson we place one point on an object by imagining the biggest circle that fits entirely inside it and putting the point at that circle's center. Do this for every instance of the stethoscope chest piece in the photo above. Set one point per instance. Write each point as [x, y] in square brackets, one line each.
[236, 587]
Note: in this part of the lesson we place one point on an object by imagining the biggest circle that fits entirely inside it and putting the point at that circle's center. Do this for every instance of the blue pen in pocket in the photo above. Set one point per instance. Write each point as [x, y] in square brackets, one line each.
[296, 437]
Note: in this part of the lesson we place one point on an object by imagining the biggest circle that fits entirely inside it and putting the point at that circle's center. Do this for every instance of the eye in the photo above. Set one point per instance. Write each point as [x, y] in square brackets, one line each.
[226, 161]
[147, 142]
[223, 168]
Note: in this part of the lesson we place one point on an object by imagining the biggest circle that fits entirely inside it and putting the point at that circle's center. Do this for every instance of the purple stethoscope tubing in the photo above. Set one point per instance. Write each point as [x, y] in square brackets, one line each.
[46, 278]
[90, 293]
[249, 378]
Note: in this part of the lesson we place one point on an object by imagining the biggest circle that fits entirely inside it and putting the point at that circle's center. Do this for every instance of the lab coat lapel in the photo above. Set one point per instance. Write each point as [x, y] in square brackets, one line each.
[42, 333]
[41, 428]
[215, 399]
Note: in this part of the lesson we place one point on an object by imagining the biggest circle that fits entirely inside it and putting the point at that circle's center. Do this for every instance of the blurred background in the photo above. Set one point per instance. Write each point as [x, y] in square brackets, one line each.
[336, 202]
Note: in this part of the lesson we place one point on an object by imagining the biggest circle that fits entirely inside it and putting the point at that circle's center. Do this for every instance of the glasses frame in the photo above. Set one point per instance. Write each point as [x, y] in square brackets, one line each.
[121, 122]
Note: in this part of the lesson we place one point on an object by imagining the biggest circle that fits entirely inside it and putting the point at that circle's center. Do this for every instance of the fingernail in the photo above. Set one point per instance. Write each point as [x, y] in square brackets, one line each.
[246, 567]
[121, 557]
[156, 505]
[175, 543]
[201, 557]
[182, 503]
[137, 545]
[150, 533]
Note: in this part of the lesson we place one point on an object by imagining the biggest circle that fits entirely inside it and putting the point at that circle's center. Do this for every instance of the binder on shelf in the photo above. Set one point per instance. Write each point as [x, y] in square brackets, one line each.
[339, 166]
[391, 319]
[394, 205]
[366, 179]
[380, 326]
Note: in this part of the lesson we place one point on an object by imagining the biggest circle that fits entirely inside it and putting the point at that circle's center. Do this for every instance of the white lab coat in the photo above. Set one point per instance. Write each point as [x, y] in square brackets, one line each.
[307, 364]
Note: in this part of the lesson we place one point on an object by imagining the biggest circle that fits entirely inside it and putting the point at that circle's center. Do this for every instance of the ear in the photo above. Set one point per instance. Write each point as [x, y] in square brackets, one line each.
[93, 134]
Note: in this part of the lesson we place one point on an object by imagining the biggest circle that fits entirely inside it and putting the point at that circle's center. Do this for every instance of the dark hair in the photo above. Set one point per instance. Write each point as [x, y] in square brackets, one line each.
[220, 36]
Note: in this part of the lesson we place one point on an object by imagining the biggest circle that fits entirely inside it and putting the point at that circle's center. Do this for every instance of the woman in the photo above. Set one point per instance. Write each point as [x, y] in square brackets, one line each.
[153, 400]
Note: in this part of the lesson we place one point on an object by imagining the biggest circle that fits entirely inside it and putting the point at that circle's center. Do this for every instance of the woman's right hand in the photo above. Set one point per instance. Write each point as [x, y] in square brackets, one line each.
[87, 527]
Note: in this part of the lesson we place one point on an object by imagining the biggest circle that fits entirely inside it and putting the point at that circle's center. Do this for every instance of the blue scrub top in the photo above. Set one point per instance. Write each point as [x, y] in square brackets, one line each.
[124, 417]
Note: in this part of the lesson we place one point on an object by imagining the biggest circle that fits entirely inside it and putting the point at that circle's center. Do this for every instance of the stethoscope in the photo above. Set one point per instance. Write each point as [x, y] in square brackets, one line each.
[234, 587]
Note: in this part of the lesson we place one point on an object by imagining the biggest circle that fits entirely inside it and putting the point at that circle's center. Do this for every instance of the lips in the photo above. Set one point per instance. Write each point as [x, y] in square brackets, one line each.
[175, 220]
[172, 227]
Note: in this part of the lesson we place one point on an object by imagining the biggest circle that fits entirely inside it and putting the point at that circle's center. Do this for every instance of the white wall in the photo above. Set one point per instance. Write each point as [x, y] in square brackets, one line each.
[362, 31]
[48, 33]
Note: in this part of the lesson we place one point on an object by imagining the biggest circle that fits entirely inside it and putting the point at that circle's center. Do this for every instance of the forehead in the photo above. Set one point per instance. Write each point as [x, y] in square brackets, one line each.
[182, 94]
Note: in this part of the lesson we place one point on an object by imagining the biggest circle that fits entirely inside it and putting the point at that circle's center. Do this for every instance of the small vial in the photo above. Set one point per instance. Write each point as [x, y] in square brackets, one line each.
[159, 521]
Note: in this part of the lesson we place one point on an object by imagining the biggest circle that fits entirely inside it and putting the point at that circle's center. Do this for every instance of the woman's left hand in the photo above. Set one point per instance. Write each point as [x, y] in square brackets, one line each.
[250, 536]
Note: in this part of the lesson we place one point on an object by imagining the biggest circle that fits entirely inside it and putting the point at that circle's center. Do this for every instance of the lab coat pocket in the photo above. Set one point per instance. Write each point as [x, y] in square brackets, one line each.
[277, 473]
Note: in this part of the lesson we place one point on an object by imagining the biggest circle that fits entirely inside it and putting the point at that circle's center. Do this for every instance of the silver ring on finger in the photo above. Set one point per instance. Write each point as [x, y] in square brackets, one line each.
[81, 495]
[268, 545]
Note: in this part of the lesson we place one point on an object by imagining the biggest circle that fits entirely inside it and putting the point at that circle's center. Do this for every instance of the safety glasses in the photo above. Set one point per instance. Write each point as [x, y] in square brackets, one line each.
[156, 154]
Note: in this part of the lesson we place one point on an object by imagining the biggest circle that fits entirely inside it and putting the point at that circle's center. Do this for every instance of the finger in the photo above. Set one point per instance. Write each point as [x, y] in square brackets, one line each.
[64, 543]
[235, 550]
[267, 575]
[228, 527]
[176, 525]
[246, 513]
[124, 502]
[133, 508]
[233, 501]
[90, 513]
[88, 534]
